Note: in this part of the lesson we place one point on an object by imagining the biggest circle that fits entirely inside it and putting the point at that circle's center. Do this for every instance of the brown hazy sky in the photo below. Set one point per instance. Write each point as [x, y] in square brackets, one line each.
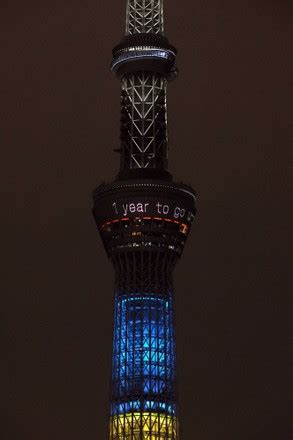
[229, 115]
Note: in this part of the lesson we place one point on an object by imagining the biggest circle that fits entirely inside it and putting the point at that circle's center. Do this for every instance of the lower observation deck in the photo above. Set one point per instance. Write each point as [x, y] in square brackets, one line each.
[144, 232]
[150, 215]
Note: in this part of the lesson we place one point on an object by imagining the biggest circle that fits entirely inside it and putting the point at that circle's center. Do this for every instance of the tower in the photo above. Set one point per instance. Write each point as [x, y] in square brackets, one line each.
[144, 218]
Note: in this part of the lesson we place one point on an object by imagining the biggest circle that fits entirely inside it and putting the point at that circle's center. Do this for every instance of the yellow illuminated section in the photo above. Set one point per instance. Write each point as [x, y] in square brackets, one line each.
[146, 426]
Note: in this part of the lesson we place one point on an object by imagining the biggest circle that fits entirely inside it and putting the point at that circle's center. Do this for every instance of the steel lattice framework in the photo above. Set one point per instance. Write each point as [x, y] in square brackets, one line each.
[144, 121]
[143, 365]
[144, 219]
[144, 16]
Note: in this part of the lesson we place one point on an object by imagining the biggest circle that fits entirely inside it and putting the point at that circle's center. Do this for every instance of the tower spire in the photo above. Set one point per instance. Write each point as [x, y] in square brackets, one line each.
[144, 219]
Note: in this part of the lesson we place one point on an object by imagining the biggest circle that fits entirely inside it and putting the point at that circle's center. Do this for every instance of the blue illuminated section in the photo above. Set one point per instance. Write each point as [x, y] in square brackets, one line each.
[143, 354]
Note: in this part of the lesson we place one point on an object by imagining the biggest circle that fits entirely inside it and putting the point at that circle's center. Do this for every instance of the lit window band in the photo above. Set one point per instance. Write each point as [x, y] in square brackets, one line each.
[184, 228]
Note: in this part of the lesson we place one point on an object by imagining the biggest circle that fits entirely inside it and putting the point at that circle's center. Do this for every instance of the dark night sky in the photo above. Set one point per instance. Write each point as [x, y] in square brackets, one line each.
[229, 116]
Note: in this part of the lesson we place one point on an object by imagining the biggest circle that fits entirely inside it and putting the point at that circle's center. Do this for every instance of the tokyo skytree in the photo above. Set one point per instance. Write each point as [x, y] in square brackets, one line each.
[144, 218]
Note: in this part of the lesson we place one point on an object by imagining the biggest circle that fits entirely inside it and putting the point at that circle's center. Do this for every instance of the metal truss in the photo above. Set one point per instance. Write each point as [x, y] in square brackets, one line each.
[143, 121]
[152, 271]
[143, 404]
[144, 426]
[144, 16]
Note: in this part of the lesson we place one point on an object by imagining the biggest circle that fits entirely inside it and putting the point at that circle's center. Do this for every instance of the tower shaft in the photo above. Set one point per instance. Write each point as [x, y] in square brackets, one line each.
[144, 219]
[143, 122]
[144, 61]
[143, 401]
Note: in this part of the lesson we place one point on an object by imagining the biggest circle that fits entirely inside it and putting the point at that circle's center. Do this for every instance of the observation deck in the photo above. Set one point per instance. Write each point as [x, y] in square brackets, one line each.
[144, 52]
[144, 214]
